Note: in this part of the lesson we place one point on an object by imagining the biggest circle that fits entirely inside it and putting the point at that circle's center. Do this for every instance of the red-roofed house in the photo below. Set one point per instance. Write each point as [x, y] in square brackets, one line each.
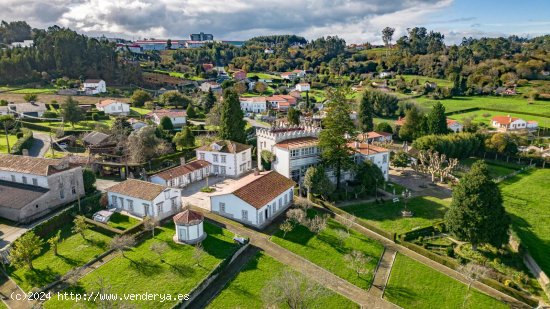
[182, 175]
[239, 75]
[207, 67]
[454, 125]
[375, 137]
[177, 116]
[303, 87]
[509, 123]
[113, 107]
[299, 73]
[253, 104]
[289, 75]
[377, 155]
[281, 101]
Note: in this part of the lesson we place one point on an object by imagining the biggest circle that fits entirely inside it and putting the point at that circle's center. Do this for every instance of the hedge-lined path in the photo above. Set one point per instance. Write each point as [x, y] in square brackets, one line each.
[298, 263]
[382, 273]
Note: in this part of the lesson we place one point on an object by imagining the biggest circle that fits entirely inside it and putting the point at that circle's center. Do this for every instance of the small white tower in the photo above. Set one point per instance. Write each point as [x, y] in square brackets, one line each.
[189, 227]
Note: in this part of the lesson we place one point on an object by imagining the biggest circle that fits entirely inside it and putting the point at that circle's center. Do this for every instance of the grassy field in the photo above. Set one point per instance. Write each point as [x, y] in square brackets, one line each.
[527, 200]
[496, 169]
[122, 222]
[73, 251]
[484, 116]
[3, 144]
[414, 285]
[35, 91]
[387, 216]
[140, 111]
[512, 104]
[263, 76]
[48, 98]
[143, 271]
[326, 251]
[245, 291]
[424, 79]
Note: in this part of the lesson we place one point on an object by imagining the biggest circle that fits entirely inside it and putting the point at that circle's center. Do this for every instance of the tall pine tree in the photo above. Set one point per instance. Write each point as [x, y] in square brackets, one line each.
[366, 113]
[437, 121]
[209, 101]
[333, 140]
[232, 123]
[413, 126]
[476, 214]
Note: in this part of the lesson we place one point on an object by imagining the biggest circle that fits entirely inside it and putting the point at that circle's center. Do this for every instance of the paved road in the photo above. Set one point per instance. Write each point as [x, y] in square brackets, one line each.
[255, 123]
[383, 273]
[40, 144]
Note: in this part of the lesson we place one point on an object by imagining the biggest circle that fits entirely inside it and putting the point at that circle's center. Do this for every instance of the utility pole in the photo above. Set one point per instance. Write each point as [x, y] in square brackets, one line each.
[7, 137]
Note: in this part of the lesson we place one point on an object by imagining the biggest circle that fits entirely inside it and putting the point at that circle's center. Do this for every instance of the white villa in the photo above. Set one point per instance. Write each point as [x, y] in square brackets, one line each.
[142, 198]
[113, 107]
[454, 126]
[32, 187]
[207, 86]
[374, 136]
[184, 174]
[189, 227]
[509, 123]
[294, 148]
[253, 104]
[228, 158]
[178, 117]
[303, 87]
[255, 199]
[94, 86]
[377, 155]
[299, 73]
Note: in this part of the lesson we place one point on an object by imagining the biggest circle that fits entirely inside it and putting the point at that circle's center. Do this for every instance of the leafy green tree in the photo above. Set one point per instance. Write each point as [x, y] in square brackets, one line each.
[6, 122]
[366, 113]
[174, 98]
[166, 123]
[184, 139]
[412, 128]
[209, 100]
[54, 241]
[191, 113]
[400, 159]
[316, 181]
[293, 116]
[333, 140]
[369, 176]
[476, 213]
[387, 34]
[383, 127]
[437, 121]
[30, 97]
[89, 181]
[71, 111]
[139, 97]
[80, 226]
[232, 123]
[25, 249]
[502, 143]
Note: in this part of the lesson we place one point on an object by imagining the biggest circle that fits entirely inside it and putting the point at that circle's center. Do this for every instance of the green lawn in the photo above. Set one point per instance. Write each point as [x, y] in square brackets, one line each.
[263, 76]
[510, 103]
[73, 251]
[326, 251]
[424, 79]
[3, 145]
[387, 216]
[484, 116]
[496, 169]
[415, 285]
[122, 222]
[245, 290]
[142, 271]
[140, 111]
[35, 91]
[527, 200]
[171, 73]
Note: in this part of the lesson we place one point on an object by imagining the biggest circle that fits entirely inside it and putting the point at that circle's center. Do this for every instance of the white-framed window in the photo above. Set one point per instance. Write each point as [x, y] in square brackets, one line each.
[146, 209]
[130, 205]
[114, 200]
[159, 208]
[245, 215]
[35, 182]
[244, 156]
[274, 206]
[24, 178]
[216, 169]
[215, 157]
[201, 155]
[290, 196]
[222, 207]
[280, 202]
[73, 190]
[223, 157]
[286, 199]
[222, 170]
[13, 178]
[294, 152]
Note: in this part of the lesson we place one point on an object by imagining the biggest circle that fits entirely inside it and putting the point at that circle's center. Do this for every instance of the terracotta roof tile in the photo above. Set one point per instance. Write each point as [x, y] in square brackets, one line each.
[17, 195]
[366, 149]
[504, 119]
[264, 189]
[182, 169]
[137, 188]
[188, 217]
[226, 146]
[31, 165]
[298, 142]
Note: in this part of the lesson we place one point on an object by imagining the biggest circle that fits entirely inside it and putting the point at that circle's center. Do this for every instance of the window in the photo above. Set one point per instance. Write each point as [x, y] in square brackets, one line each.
[35, 182]
[274, 206]
[145, 209]
[13, 178]
[286, 199]
[130, 205]
[73, 190]
[159, 208]
[385, 158]
[222, 207]
[61, 194]
[223, 158]
[216, 169]
[294, 152]
[280, 202]
[244, 156]
[290, 195]
[24, 179]
[201, 155]
[114, 201]
[245, 215]
[222, 170]
[215, 157]
[121, 200]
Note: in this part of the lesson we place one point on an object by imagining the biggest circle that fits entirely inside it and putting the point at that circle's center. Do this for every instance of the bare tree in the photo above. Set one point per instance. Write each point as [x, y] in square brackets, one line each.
[358, 262]
[349, 221]
[342, 236]
[431, 162]
[472, 272]
[296, 215]
[159, 248]
[149, 224]
[198, 254]
[303, 204]
[317, 223]
[286, 227]
[452, 163]
[292, 289]
[122, 243]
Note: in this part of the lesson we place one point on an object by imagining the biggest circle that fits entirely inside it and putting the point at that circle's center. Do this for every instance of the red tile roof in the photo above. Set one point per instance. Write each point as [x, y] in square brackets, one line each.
[182, 169]
[188, 217]
[168, 113]
[264, 189]
[366, 149]
[298, 143]
[504, 119]
[253, 99]
[108, 102]
[226, 146]
[31, 165]
[144, 190]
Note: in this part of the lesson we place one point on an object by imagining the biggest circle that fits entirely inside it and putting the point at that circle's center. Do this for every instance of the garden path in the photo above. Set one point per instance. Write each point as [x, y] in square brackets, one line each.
[383, 272]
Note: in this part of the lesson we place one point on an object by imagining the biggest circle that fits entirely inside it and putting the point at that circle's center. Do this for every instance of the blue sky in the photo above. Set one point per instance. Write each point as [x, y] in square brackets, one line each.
[356, 21]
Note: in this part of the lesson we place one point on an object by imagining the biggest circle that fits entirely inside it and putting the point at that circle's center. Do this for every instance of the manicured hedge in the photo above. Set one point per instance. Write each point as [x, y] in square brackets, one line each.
[510, 291]
[25, 142]
[432, 256]
[425, 231]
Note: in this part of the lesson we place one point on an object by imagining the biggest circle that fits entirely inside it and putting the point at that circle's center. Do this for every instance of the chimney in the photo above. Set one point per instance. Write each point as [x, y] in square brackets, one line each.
[256, 172]
[182, 160]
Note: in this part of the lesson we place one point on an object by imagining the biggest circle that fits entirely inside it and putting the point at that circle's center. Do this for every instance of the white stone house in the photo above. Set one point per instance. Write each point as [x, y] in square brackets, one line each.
[376, 154]
[178, 117]
[289, 75]
[256, 199]
[184, 174]
[508, 123]
[94, 86]
[189, 227]
[299, 73]
[303, 87]
[33, 109]
[228, 158]
[253, 104]
[113, 107]
[142, 198]
[454, 126]
[207, 86]
[32, 187]
[294, 149]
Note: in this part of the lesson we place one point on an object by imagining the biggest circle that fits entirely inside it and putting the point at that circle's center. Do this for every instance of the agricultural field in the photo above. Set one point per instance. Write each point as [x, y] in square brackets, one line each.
[49, 98]
[139, 111]
[526, 199]
[484, 116]
[387, 216]
[49, 90]
[245, 290]
[174, 272]
[328, 252]
[263, 76]
[424, 79]
[12, 139]
[415, 285]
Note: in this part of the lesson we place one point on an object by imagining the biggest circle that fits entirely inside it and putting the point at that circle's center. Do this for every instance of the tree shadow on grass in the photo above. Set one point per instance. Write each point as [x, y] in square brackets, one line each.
[68, 260]
[145, 266]
[182, 269]
[404, 295]
[97, 243]
[41, 277]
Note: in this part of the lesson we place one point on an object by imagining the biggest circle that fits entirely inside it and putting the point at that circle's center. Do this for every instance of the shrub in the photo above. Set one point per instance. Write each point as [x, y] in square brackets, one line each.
[450, 252]
[25, 142]
[19, 135]
[95, 117]
[207, 189]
